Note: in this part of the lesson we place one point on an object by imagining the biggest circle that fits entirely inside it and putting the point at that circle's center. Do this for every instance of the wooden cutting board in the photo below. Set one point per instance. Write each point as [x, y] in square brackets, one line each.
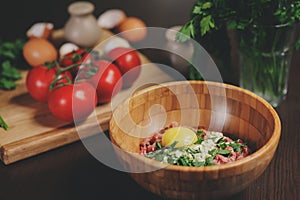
[32, 128]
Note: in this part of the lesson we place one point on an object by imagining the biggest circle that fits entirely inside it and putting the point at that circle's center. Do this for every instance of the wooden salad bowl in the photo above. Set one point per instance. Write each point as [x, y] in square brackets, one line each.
[216, 106]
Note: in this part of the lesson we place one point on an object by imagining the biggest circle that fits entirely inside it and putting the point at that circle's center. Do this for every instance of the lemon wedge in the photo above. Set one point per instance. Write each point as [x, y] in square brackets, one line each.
[183, 136]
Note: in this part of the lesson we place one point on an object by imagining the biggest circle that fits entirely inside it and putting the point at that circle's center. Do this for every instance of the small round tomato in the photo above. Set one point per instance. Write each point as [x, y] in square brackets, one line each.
[38, 81]
[128, 61]
[74, 102]
[75, 58]
[107, 80]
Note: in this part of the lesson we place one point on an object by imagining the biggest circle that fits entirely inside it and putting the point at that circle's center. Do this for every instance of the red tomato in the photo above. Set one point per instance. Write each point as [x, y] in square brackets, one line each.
[64, 77]
[126, 60]
[75, 57]
[38, 81]
[73, 102]
[107, 80]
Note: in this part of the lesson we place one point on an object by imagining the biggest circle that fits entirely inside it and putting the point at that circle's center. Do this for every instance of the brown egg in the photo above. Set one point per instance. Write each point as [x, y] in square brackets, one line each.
[37, 51]
[133, 29]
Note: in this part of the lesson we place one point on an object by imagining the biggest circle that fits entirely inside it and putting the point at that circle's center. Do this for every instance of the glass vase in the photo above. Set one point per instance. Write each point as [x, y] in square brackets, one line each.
[264, 60]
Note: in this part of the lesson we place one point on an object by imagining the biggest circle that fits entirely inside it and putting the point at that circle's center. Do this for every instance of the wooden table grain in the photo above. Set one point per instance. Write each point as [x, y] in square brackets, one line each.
[71, 173]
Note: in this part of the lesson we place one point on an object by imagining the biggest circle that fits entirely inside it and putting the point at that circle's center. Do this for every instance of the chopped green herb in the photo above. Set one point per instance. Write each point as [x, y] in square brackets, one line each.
[158, 145]
[189, 150]
[3, 124]
[223, 152]
[198, 164]
[213, 153]
[172, 146]
[237, 146]
[199, 141]
[184, 161]
[209, 161]
[222, 145]
[200, 133]
[221, 140]
[159, 157]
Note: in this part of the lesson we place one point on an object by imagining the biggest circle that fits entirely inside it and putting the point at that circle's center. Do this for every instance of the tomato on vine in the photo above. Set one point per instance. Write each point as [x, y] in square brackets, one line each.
[76, 57]
[73, 57]
[73, 102]
[128, 61]
[39, 79]
[106, 78]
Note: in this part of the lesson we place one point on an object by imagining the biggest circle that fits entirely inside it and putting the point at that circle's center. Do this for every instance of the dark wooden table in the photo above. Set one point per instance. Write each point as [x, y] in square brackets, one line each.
[72, 173]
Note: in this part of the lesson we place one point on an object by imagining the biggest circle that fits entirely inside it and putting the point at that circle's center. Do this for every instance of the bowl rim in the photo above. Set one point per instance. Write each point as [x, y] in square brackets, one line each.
[272, 143]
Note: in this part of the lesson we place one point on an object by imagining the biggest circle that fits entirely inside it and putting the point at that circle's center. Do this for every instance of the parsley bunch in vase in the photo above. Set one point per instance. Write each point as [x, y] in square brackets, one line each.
[265, 40]
[264, 34]
[207, 26]
[265, 53]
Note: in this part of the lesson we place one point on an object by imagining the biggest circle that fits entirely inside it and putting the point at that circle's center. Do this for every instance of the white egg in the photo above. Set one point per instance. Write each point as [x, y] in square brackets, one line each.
[40, 30]
[67, 48]
[114, 43]
[111, 18]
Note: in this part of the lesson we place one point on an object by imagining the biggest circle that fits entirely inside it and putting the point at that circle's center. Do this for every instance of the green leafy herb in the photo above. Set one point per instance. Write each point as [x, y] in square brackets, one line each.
[199, 141]
[221, 143]
[209, 161]
[10, 59]
[206, 24]
[186, 32]
[9, 71]
[172, 146]
[213, 153]
[237, 146]
[198, 164]
[158, 145]
[3, 124]
[223, 152]
[183, 161]
[208, 16]
[200, 135]
[221, 140]
[189, 150]
[159, 157]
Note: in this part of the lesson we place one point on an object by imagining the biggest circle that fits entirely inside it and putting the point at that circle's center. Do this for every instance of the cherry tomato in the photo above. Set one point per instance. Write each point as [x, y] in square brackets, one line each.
[74, 102]
[38, 81]
[75, 57]
[64, 77]
[128, 61]
[107, 80]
